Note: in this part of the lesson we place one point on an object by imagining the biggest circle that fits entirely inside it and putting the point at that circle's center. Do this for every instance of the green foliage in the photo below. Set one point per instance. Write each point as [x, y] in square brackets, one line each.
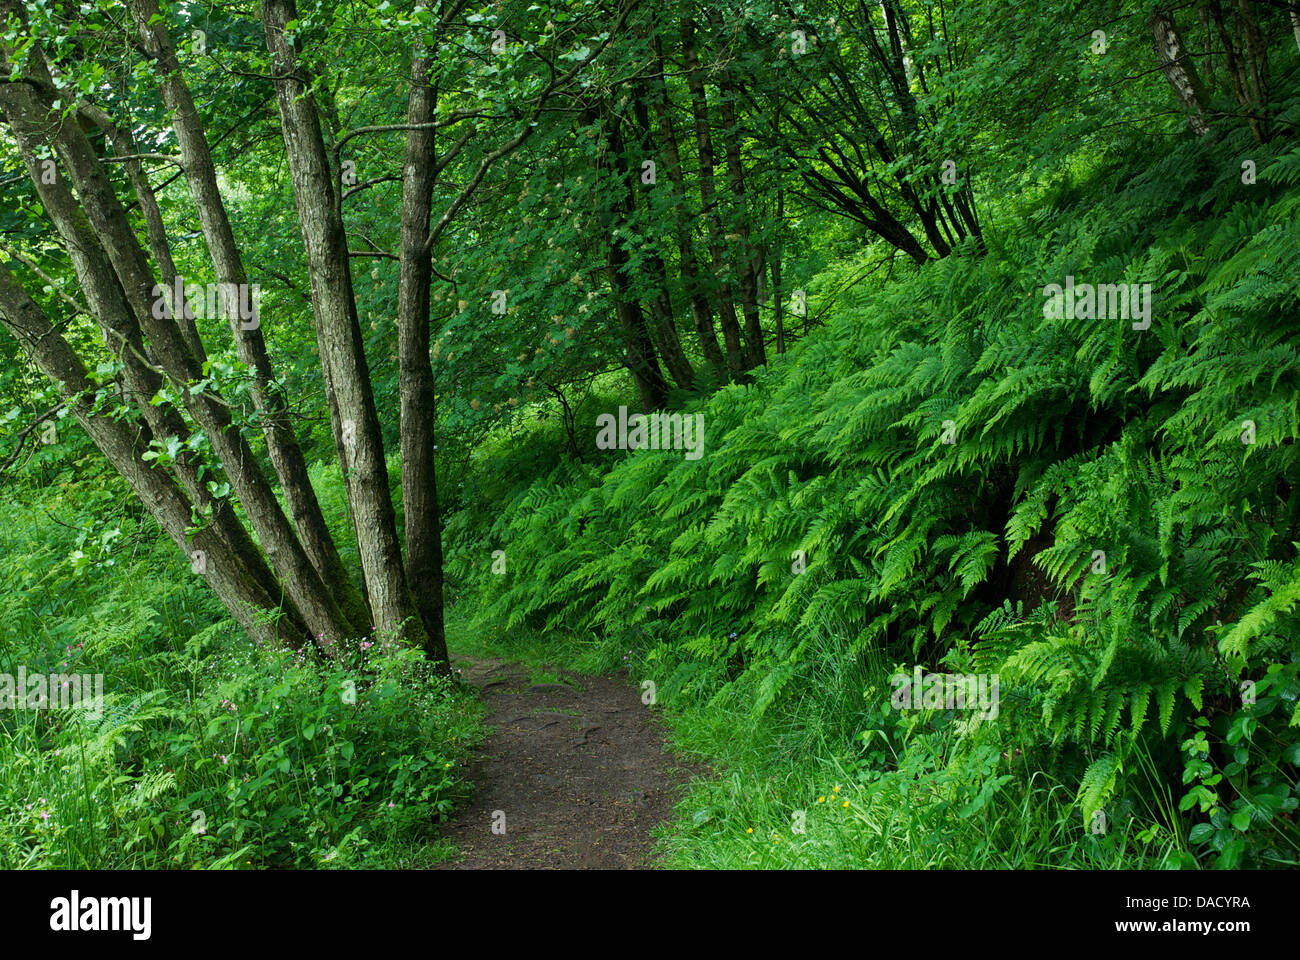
[948, 474]
[209, 752]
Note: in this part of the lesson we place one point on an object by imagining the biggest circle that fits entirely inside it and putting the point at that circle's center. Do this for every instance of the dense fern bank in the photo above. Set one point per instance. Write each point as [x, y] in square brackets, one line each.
[1104, 518]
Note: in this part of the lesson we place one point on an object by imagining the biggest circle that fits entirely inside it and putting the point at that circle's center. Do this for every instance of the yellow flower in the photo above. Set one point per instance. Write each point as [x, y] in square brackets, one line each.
[821, 799]
[750, 830]
[836, 789]
[846, 803]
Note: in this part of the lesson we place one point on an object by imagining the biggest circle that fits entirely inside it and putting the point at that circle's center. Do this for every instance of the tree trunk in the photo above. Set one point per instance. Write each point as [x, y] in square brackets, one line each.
[1179, 70]
[124, 450]
[416, 384]
[130, 266]
[104, 297]
[778, 307]
[338, 334]
[281, 441]
[755, 354]
[709, 201]
[661, 304]
[640, 357]
[701, 313]
[159, 246]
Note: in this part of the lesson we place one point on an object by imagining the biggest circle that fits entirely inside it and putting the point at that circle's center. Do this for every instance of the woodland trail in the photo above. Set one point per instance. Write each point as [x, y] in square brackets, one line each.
[578, 769]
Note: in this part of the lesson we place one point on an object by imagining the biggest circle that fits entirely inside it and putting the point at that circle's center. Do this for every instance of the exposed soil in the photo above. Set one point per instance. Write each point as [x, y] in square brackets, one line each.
[578, 769]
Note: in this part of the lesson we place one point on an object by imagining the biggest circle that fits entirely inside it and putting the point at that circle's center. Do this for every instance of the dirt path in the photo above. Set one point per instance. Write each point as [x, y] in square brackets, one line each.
[578, 769]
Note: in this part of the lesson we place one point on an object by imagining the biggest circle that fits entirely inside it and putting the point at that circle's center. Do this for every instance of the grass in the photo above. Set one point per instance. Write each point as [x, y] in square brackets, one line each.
[210, 752]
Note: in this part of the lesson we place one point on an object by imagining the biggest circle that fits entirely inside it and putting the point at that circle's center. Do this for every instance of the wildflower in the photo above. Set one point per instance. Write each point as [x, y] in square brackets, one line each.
[846, 803]
[821, 799]
[750, 830]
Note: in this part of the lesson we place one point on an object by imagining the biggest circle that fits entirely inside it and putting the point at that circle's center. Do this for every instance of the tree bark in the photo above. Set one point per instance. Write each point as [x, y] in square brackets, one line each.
[418, 394]
[755, 354]
[105, 300]
[281, 440]
[131, 272]
[709, 200]
[661, 304]
[701, 312]
[124, 450]
[1179, 70]
[778, 307]
[338, 334]
[639, 357]
[159, 246]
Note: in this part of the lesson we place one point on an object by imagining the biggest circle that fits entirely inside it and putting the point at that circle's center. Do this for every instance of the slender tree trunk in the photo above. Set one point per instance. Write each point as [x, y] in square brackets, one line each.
[104, 298]
[661, 304]
[701, 313]
[778, 306]
[159, 245]
[130, 266]
[755, 354]
[338, 334]
[124, 449]
[1257, 61]
[417, 388]
[709, 200]
[640, 357]
[281, 441]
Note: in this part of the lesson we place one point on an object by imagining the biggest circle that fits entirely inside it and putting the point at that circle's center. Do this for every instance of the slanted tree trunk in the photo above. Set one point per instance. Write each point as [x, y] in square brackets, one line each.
[104, 298]
[281, 441]
[132, 272]
[1179, 70]
[124, 448]
[159, 245]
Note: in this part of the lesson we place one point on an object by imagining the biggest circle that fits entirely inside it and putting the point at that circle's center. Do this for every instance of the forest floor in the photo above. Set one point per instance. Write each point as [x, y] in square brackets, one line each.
[576, 769]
